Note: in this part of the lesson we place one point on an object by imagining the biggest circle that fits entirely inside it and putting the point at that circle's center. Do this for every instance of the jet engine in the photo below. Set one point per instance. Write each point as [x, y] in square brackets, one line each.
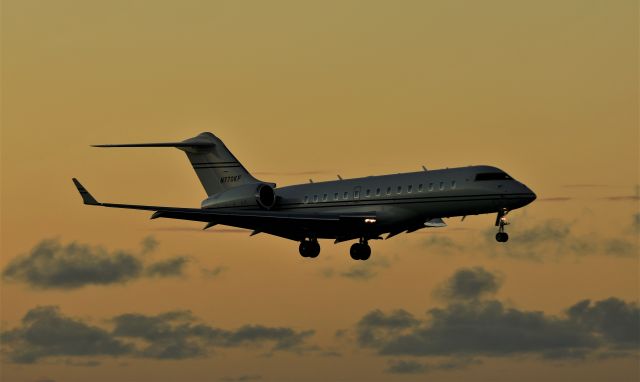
[248, 195]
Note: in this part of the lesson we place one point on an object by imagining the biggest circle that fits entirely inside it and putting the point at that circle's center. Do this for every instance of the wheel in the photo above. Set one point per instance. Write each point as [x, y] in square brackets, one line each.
[366, 252]
[355, 251]
[360, 251]
[313, 249]
[502, 237]
[309, 248]
[304, 248]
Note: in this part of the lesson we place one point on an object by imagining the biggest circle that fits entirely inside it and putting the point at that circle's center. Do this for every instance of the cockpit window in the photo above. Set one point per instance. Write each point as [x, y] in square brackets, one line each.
[492, 176]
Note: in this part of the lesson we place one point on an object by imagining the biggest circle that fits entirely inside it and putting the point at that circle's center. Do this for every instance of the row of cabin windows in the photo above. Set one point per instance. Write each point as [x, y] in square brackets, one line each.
[378, 192]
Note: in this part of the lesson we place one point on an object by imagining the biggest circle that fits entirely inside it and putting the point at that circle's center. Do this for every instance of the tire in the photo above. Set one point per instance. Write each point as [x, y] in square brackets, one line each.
[355, 251]
[313, 249]
[502, 237]
[303, 248]
[366, 252]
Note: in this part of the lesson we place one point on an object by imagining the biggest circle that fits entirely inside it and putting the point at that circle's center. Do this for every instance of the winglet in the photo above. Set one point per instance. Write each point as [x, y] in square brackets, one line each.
[86, 196]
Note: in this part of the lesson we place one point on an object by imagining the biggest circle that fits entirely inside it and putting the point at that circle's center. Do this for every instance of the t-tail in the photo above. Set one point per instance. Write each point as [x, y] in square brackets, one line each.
[217, 169]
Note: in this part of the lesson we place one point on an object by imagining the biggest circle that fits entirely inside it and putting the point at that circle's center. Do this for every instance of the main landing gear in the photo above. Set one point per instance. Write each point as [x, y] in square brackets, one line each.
[361, 250]
[501, 221]
[309, 248]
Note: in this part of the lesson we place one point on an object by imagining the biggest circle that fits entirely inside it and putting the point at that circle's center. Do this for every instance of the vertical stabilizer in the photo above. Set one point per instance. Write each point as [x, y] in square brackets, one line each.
[215, 166]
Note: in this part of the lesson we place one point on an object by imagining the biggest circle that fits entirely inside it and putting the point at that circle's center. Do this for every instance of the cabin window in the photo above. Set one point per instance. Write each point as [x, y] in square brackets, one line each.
[453, 184]
[345, 196]
[356, 194]
[335, 196]
[306, 198]
[324, 197]
[399, 190]
[441, 185]
[420, 188]
[409, 188]
[315, 198]
[377, 192]
[367, 193]
[430, 186]
[492, 176]
[388, 190]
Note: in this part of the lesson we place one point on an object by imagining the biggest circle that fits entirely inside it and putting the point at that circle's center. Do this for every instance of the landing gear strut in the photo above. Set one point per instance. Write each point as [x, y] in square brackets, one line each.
[501, 221]
[309, 248]
[361, 250]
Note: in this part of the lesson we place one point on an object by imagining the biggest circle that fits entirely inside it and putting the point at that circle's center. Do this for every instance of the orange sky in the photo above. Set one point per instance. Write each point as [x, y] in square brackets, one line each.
[546, 90]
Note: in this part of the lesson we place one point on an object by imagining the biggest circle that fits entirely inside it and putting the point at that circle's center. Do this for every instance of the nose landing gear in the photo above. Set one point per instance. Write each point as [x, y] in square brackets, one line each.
[361, 250]
[501, 221]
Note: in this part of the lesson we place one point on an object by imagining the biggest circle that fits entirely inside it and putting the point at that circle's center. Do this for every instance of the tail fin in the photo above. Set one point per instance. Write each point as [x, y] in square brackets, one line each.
[217, 169]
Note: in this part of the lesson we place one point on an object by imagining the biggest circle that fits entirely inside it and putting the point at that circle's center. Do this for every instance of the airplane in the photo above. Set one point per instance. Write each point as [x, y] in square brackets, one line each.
[359, 209]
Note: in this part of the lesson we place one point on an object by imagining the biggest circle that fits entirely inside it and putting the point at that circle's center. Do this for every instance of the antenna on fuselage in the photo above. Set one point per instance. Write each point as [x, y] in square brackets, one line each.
[424, 168]
[339, 177]
[310, 180]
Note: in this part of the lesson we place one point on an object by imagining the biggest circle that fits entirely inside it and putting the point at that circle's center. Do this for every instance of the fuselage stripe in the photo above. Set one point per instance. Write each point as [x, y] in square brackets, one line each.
[356, 203]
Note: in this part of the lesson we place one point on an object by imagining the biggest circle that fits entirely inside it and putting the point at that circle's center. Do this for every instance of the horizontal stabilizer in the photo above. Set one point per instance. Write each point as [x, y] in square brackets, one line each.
[86, 196]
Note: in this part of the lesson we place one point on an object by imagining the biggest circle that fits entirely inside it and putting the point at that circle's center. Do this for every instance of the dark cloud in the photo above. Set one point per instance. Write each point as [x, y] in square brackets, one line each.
[176, 335]
[556, 238]
[214, 272]
[617, 321]
[471, 327]
[149, 244]
[284, 339]
[167, 268]
[52, 265]
[414, 367]
[46, 332]
[488, 328]
[540, 240]
[620, 247]
[360, 271]
[443, 244]
[406, 367]
[469, 284]
[374, 328]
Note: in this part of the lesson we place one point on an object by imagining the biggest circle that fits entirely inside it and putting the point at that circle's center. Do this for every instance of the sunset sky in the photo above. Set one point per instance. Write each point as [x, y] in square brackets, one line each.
[546, 90]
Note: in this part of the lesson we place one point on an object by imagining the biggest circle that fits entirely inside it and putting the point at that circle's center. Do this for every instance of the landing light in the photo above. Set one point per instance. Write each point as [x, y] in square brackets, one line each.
[370, 221]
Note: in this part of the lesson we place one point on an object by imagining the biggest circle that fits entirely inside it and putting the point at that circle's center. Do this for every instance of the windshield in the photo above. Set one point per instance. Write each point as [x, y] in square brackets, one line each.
[492, 176]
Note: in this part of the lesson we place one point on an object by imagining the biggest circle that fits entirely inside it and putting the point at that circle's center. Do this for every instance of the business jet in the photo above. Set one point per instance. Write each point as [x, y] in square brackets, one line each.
[360, 209]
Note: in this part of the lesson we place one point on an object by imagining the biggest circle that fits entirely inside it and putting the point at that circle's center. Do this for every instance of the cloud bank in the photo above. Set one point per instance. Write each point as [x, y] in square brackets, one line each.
[46, 332]
[53, 265]
[470, 326]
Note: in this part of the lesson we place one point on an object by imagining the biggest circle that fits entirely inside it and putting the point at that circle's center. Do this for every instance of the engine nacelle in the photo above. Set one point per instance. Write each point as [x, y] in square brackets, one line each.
[265, 196]
[249, 195]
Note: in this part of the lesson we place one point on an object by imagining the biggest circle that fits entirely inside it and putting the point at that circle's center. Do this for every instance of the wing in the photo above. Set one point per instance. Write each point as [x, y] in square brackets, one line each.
[294, 226]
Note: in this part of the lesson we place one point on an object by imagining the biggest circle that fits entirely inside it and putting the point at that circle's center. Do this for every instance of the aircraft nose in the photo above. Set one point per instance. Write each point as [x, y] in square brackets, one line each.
[531, 196]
